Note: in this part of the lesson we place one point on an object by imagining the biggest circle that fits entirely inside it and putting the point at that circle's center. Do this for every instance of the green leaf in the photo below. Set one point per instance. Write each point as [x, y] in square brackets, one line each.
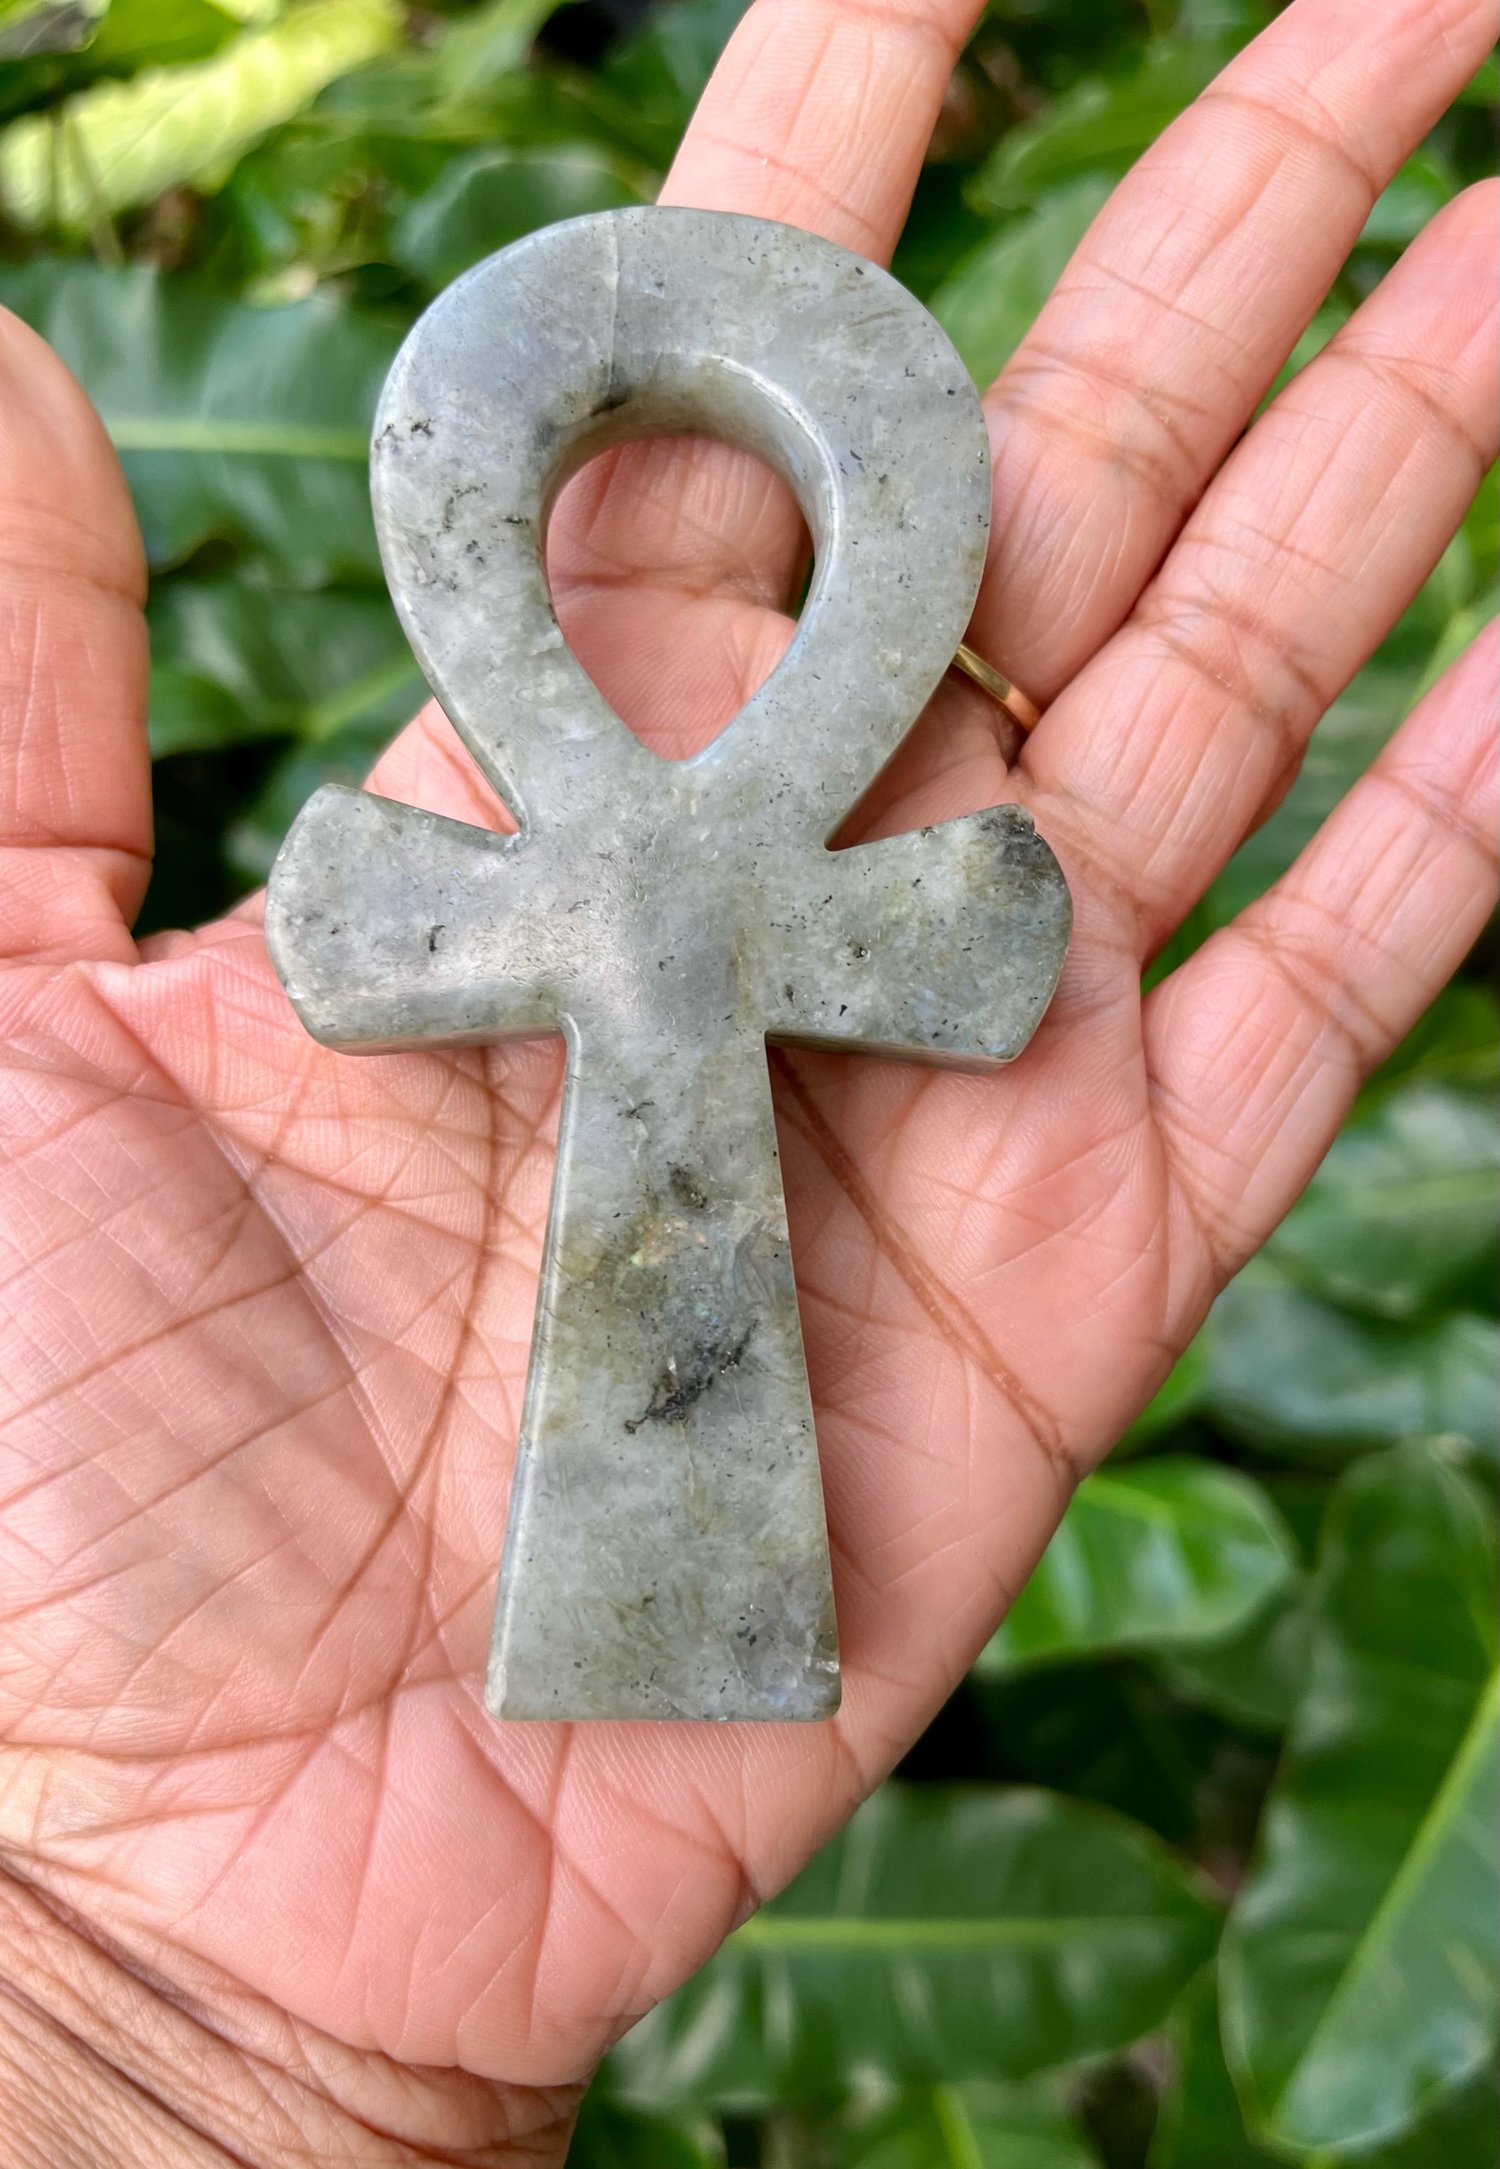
[943, 1935]
[1253, 1676]
[120, 144]
[611, 2135]
[1457, 1044]
[230, 661]
[1226, 22]
[978, 2126]
[253, 840]
[1464, 626]
[312, 202]
[1164, 1552]
[161, 33]
[1359, 1965]
[1200, 2125]
[1109, 1730]
[940, 231]
[1291, 1374]
[1483, 88]
[992, 300]
[493, 197]
[1458, 2132]
[240, 425]
[1098, 127]
[479, 49]
[1404, 1207]
[1414, 197]
[1460, 590]
[659, 75]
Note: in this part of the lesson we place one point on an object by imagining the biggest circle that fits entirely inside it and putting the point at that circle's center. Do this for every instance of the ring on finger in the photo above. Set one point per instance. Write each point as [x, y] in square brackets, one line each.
[1022, 710]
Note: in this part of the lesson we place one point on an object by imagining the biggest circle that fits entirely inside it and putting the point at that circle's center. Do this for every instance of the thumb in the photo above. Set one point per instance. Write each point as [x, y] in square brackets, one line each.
[75, 777]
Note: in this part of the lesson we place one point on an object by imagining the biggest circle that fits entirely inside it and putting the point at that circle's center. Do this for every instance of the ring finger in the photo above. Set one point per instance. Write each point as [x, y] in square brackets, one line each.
[1169, 747]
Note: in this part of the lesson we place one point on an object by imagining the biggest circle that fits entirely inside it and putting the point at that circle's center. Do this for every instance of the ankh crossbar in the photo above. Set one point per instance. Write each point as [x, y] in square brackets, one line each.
[666, 1554]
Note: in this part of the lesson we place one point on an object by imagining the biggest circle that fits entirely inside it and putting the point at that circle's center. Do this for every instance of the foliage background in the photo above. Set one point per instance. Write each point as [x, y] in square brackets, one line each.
[1197, 1870]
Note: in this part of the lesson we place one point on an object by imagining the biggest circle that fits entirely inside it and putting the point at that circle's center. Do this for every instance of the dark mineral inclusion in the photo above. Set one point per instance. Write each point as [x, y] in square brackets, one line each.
[666, 1554]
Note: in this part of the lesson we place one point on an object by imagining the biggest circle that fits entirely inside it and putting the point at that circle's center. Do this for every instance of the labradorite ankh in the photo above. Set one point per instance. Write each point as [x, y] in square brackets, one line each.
[666, 1554]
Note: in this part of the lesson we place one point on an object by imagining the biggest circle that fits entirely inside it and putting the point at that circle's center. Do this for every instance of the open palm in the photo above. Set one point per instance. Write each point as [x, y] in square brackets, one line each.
[267, 1309]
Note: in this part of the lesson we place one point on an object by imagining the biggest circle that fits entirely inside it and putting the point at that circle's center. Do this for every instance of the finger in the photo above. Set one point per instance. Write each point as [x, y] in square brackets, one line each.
[1188, 293]
[75, 779]
[818, 115]
[671, 563]
[1257, 1045]
[1180, 736]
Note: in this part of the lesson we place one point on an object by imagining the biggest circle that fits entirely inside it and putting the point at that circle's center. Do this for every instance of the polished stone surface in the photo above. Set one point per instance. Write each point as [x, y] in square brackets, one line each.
[666, 1554]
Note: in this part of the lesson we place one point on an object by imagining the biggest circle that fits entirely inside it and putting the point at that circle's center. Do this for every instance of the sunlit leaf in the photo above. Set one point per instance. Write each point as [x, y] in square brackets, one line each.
[119, 144]
[944, 1935]
[1465, 625]
[1227, 23]
[1165, 1551]
[29, 27]
[1359, 1970]
[240, 425]
[1292, 1373]
[992, 300]
[481, 47]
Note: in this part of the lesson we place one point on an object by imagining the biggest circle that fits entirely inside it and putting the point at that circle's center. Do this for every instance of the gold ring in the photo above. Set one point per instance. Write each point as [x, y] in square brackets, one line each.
[1024, 713]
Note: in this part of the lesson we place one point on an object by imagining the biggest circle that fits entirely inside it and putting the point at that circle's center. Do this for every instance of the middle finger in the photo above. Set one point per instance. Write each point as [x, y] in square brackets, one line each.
[818, 114]
[671, 562]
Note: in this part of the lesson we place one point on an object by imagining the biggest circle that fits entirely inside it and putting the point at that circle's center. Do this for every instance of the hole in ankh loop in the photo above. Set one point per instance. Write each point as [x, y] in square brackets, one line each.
[675, 567]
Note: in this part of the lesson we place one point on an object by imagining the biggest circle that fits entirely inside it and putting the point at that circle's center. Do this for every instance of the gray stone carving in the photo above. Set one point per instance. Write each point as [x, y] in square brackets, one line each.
[666, 1554]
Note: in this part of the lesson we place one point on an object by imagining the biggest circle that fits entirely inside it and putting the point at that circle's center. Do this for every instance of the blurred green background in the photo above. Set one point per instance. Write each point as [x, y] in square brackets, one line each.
[1197, 1870]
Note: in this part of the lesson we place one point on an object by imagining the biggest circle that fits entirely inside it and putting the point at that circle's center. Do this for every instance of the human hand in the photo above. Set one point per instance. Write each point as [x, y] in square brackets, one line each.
[268, 1309]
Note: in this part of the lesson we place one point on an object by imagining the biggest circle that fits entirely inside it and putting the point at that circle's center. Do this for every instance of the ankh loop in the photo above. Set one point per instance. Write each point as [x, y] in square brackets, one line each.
[666, 1555]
